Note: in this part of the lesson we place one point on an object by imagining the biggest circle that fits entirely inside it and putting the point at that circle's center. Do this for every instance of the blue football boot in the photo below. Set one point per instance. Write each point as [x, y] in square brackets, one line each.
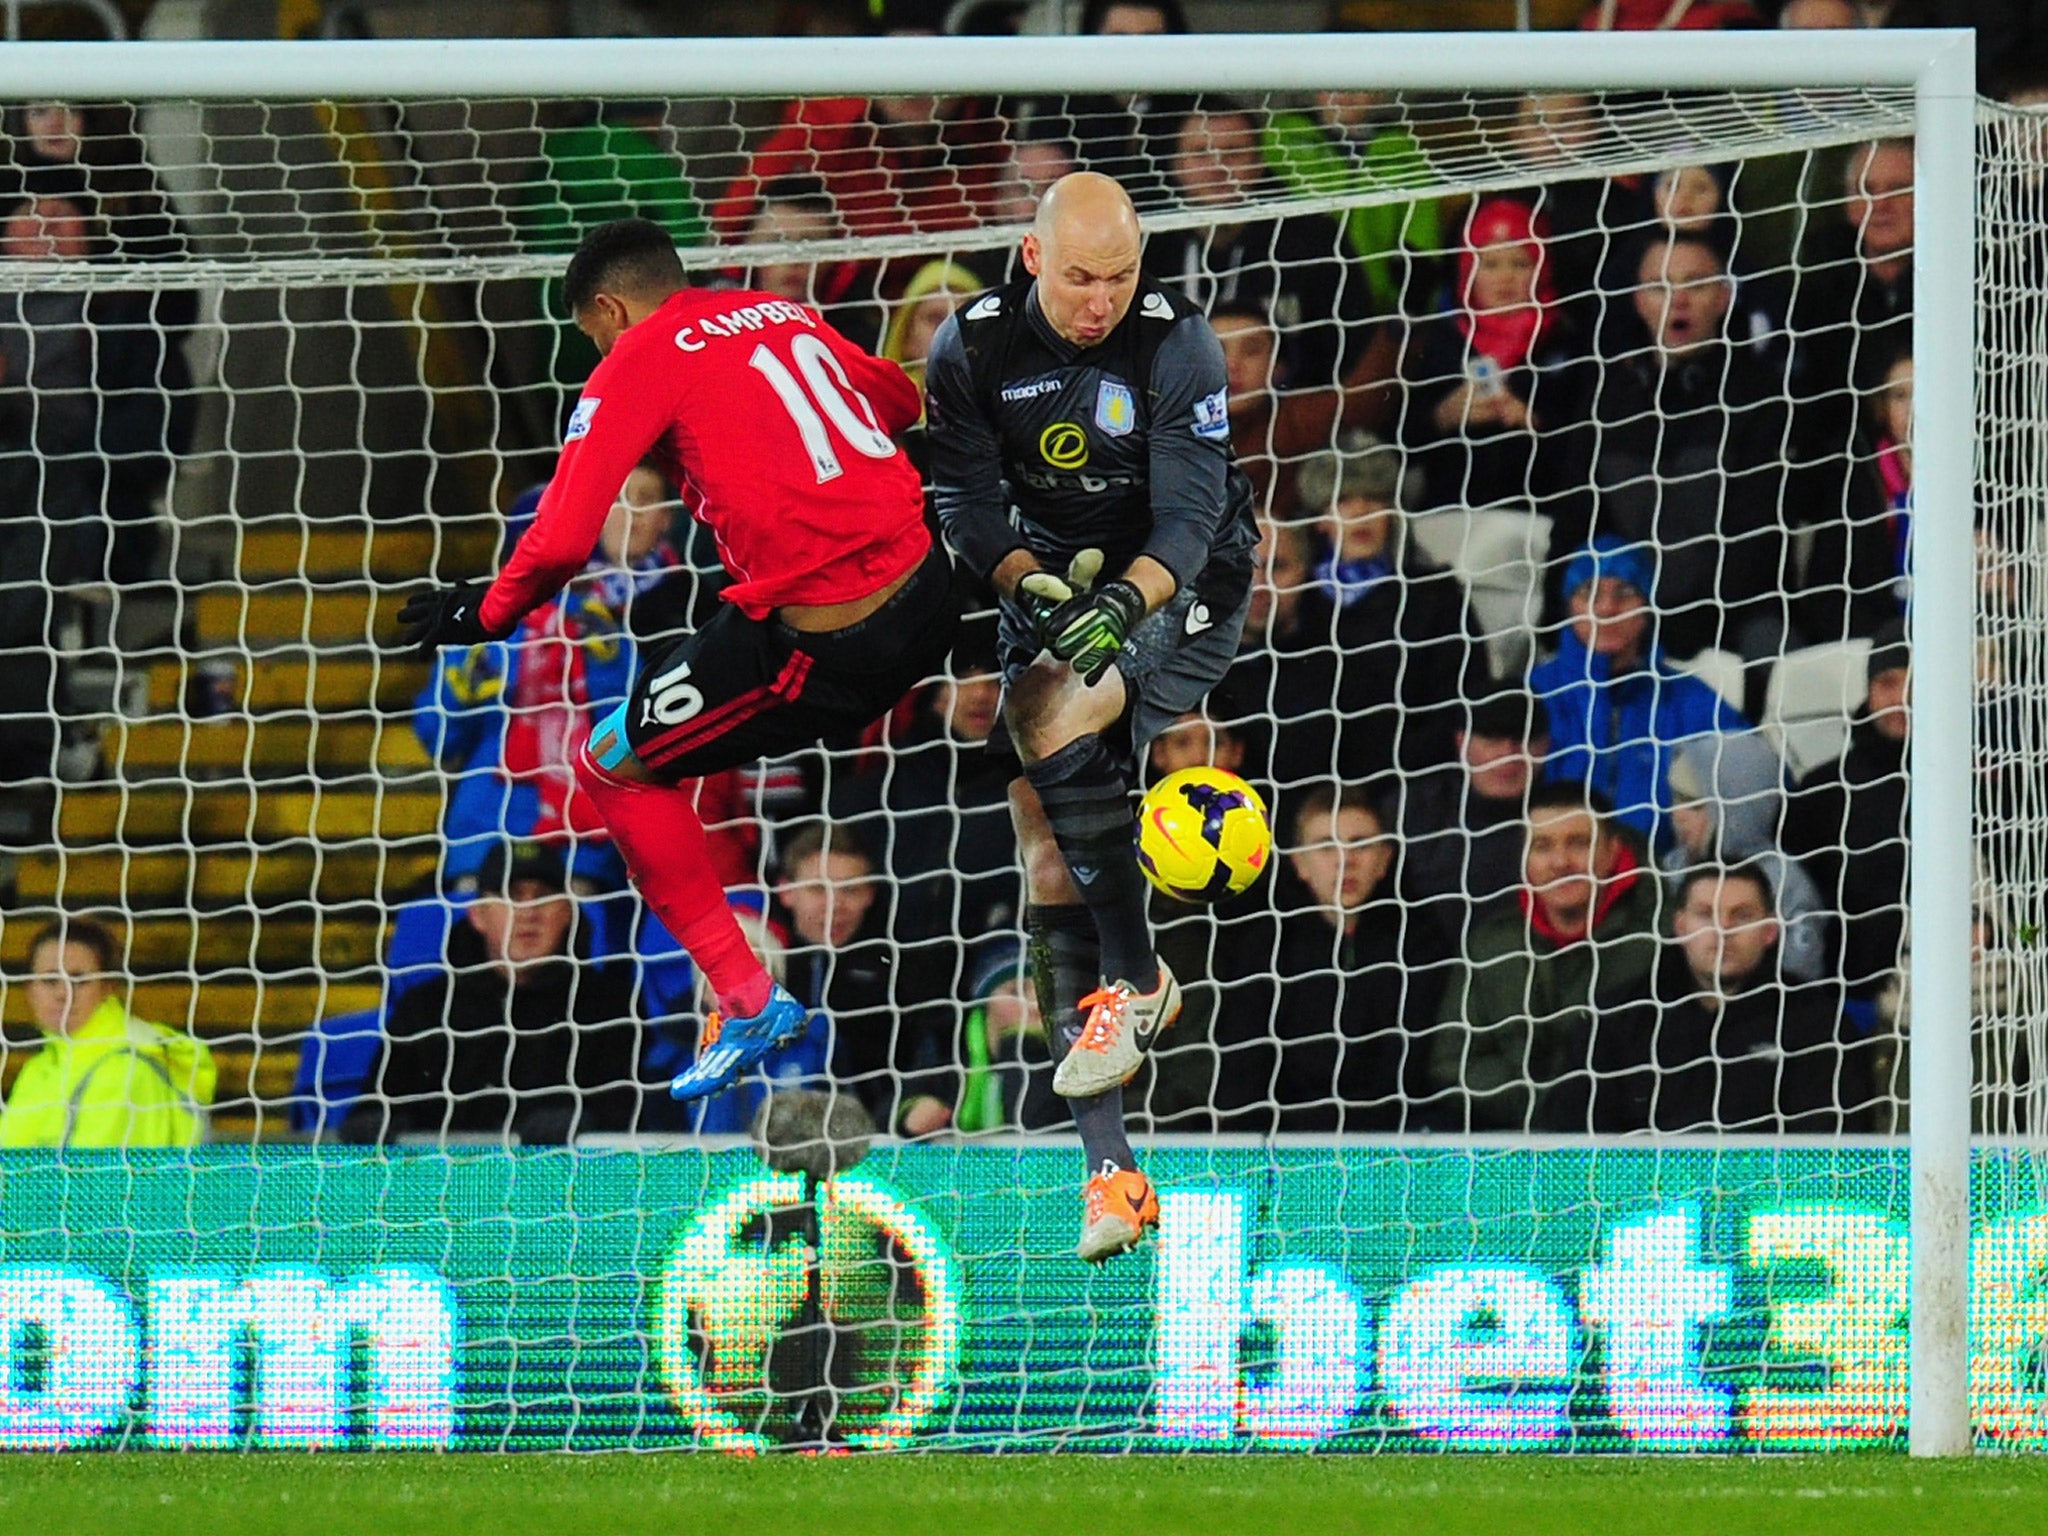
[732, 1046]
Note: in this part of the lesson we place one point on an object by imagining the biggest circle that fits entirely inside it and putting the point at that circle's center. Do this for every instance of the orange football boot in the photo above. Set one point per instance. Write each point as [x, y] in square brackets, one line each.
[1121, 1206]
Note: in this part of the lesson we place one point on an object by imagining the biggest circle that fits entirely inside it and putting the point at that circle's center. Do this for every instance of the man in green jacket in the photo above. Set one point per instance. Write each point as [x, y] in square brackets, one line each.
[102, 1078]
[1510, 1049]
[1341, 146]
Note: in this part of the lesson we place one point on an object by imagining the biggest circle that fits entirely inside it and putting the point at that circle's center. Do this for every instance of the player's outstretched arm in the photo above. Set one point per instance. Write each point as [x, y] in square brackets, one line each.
[625, 408]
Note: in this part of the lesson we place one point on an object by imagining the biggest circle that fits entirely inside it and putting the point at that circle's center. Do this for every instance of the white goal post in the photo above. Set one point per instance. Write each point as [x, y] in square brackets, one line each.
[1937, 66]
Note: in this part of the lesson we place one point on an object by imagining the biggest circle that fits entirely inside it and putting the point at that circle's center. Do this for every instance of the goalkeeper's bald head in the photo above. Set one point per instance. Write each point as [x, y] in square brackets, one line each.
[1083, 248]
[1087, 206]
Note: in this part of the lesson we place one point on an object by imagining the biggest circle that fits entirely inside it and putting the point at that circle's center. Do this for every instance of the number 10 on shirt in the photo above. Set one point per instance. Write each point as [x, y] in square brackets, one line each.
[823, 386]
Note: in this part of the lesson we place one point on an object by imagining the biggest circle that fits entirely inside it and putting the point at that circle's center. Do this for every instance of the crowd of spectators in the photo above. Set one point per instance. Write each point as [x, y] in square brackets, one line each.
[95, 397]
[1539, 877]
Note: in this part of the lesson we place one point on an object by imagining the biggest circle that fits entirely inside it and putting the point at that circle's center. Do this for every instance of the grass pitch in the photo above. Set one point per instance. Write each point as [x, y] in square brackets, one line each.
[958, 1495]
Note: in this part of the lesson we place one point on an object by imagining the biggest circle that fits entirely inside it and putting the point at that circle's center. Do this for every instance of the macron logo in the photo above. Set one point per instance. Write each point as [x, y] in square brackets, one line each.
[981, 309]
[1030, 391]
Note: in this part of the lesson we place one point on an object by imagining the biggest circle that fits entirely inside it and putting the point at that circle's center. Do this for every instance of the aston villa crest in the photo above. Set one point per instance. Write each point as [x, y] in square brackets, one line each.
[1115, 411]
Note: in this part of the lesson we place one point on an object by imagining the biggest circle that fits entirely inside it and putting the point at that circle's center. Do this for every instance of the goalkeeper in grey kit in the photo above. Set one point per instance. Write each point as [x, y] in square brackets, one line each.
[1081, 462]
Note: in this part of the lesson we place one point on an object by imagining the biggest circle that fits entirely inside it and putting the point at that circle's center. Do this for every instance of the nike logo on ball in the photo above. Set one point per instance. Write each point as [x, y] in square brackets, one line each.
[1199, 620]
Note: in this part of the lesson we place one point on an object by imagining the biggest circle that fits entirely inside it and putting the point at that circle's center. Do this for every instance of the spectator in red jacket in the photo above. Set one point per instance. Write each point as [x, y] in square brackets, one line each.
[892, 165]
[798, 211]
[1669, 16]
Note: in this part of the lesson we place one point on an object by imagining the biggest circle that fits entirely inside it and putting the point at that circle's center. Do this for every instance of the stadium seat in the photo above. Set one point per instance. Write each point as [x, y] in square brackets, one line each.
[334, 1063]
[419, 945]
[1499, 551]
[1814, 692]
[1721, 671]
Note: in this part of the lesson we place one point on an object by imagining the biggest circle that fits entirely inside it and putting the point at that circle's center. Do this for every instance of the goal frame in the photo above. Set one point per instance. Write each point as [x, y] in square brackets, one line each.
[1938, 65]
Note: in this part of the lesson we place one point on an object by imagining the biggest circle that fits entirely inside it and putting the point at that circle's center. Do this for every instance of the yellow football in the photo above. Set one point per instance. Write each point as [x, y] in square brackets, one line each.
[1203, 834]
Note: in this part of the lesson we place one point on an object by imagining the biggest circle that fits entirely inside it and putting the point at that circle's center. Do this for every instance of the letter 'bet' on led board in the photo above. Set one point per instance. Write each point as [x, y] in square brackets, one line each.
[1313, 1385]
[1200, 1302]
[1480, 1357]
[1312, 1315]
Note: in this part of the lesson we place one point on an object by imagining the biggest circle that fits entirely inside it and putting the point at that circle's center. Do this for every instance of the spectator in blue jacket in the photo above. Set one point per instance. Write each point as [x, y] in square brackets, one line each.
[504, 719]
[1618, 710]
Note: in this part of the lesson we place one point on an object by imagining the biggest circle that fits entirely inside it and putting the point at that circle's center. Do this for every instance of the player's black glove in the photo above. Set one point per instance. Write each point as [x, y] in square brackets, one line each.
[1088, 630]
[445, 616]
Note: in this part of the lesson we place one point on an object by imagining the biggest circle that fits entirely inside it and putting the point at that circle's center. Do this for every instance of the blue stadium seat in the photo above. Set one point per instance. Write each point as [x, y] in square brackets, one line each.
[419, 944]
[334, 1063]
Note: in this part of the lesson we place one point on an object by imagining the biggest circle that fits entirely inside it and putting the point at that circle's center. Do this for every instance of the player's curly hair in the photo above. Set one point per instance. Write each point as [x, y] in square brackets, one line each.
[624, 256]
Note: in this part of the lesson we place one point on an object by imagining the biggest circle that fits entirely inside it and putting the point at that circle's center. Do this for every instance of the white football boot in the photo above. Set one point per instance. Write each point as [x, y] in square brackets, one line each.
[1122, 1024]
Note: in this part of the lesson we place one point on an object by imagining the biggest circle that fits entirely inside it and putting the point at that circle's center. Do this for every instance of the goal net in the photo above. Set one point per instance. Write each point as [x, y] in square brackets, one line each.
[1551, 1093]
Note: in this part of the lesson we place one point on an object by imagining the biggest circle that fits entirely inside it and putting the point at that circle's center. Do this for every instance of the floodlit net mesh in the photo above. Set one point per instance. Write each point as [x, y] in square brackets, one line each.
[2012, 456]
[1578, 429]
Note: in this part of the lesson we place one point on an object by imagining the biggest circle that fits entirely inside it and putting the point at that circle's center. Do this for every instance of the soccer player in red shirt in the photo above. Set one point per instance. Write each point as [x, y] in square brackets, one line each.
[779, 433]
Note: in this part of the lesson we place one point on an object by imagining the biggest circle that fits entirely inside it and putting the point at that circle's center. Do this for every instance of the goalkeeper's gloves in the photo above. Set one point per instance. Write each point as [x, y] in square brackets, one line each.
[1088, 631]
[446, 616]
[1041, 593]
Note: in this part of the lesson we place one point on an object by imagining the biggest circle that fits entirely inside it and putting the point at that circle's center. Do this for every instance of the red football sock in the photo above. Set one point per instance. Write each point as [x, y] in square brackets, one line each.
[657, 831]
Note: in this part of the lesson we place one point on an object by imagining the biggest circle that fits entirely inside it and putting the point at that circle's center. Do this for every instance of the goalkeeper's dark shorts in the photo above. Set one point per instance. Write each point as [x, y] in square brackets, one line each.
[740, 688]
[1169, 664]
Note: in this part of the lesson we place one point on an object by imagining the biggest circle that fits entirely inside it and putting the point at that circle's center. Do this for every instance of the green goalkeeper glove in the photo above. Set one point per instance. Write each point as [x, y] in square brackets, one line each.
[1041, 594]
[1089, 630]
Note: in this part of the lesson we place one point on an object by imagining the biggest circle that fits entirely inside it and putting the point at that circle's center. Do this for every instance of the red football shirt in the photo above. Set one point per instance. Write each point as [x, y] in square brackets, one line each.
[778, 432]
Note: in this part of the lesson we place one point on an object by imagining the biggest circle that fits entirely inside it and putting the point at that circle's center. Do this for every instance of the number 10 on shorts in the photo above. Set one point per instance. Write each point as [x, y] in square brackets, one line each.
[671, 698]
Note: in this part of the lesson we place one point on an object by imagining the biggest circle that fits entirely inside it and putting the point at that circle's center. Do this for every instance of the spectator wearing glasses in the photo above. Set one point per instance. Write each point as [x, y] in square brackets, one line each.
[1853, 309]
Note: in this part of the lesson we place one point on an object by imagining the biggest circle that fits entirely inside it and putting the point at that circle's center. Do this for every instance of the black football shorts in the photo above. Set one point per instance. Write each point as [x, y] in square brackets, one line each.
[742, 688]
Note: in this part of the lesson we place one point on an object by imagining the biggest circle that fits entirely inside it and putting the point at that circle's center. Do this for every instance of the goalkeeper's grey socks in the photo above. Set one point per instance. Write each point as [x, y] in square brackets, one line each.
[1066, 964]
[1088, 803]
